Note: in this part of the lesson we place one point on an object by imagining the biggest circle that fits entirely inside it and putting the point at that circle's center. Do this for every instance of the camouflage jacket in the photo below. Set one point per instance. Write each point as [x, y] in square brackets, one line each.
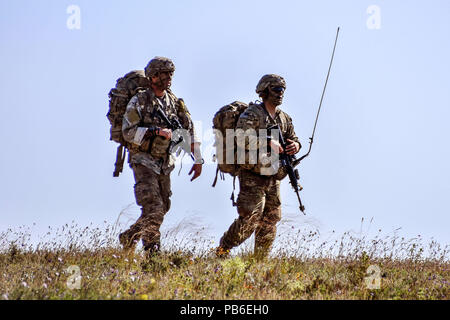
[139, 117]
[256, 117]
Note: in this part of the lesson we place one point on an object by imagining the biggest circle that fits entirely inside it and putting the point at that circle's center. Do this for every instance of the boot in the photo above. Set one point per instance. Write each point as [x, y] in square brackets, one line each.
[152, 250]
[128, 241]
[222, 252]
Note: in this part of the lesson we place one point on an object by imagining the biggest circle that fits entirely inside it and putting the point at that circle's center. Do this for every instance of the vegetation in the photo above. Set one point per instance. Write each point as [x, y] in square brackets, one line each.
[301, 266]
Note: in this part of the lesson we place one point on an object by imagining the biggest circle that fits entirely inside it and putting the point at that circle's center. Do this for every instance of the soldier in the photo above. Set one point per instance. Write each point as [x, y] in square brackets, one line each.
[150, 158]
[258, 203]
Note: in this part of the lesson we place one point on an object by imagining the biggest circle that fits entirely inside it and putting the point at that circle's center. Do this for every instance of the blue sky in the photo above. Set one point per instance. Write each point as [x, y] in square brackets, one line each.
[381, 148]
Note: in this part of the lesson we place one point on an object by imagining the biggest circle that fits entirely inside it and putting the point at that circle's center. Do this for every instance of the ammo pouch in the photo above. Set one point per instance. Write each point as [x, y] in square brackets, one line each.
[281, 174]
[159, 147]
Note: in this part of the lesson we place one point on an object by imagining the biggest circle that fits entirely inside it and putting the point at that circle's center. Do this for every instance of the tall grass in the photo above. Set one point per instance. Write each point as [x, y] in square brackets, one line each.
[302, 265]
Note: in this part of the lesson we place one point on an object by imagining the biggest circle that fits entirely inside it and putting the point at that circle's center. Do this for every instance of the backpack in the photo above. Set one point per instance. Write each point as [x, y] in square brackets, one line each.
[226, 118]
[119, 96]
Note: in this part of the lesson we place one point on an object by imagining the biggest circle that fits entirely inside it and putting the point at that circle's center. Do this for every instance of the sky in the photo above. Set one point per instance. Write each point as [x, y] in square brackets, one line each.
[381, 146]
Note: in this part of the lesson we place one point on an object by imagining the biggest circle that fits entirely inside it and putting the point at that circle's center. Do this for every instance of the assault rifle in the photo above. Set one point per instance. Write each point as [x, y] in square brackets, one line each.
[174, 124]
[288, 162]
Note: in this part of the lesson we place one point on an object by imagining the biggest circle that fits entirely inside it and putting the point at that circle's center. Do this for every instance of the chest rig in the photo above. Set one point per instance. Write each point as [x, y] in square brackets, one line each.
[266, 119]
[148, 104]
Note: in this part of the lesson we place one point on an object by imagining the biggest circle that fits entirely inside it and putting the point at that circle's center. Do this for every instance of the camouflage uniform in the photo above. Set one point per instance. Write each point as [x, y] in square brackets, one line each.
[258, 203]
[151, 162]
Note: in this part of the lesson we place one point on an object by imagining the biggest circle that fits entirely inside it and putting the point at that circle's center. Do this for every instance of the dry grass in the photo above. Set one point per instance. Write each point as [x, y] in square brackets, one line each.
[302, 266]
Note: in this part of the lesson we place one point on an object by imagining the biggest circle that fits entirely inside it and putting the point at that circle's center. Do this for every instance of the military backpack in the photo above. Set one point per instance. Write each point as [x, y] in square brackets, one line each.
[224, 119]
[119, 96]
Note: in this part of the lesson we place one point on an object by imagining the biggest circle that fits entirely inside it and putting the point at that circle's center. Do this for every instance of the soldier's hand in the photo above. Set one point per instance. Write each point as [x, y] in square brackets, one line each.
[197, 169]
[276, 146]
[166, 133]
[293, 147]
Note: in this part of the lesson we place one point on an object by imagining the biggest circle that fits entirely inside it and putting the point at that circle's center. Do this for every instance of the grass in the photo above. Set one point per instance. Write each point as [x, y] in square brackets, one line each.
[301, 266]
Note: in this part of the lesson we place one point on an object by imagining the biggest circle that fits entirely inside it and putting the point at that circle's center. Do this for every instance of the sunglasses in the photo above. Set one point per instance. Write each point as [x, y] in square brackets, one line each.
[277, 89]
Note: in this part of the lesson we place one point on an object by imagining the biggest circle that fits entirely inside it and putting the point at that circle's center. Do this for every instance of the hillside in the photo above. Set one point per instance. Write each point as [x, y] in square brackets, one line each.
[340, 271]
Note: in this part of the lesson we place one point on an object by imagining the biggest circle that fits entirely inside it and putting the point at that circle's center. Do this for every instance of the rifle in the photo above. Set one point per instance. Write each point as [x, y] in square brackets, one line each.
[173, 124]
[287, 162]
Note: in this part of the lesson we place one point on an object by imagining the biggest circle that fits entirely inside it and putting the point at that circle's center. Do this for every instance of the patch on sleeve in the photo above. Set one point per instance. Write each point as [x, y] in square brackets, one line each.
[182, 106]
[132, 116]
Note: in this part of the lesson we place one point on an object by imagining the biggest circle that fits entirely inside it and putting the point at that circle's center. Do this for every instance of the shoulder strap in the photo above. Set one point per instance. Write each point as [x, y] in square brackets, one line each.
[215, 178]
[173, 99]
[232, 194]
[120, 158]
[264, 112]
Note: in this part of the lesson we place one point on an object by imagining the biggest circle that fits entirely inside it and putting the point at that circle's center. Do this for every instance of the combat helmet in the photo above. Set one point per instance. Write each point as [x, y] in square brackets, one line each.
[269, 80]
[159, 64]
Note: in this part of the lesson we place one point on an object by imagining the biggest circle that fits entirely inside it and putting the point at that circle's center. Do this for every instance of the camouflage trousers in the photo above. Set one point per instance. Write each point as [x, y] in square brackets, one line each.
[259, 209]
[152, 192]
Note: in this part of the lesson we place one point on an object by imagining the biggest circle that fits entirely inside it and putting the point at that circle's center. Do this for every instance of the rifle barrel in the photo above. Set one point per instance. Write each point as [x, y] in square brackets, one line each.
[302, 207]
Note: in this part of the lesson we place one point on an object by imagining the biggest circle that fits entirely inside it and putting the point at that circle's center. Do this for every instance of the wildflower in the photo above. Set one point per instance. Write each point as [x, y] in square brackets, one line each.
[248, 286]
[132, 278]
[5, 296]
[45, 286]
[152, 281]
[24, 284]
[60, 259]
[144, 297]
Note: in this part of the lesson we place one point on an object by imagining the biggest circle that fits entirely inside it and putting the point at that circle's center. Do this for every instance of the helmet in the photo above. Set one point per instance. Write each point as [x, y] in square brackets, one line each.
[159, 64]
[270, 80]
